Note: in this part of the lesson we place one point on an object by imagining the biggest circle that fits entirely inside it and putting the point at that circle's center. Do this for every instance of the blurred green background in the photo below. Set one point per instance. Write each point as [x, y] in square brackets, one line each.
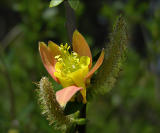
[132, 106]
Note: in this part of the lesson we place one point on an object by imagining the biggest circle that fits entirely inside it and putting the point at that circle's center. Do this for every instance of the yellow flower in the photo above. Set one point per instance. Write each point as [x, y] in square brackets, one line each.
[71, 69]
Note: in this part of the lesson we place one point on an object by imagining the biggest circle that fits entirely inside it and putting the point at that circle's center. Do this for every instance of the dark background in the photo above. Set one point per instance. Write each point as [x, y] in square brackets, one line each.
[132, 106]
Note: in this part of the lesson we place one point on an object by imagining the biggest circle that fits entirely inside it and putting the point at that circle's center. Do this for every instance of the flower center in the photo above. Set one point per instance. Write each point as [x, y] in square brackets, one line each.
[69, 62]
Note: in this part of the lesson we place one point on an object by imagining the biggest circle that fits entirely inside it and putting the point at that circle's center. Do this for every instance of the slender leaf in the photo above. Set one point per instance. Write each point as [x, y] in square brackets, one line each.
[54, 3]
[114, 56]
[74, 3]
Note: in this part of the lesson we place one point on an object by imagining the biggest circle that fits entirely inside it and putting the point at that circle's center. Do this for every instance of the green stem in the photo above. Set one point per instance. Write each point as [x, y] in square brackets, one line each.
[71, 26]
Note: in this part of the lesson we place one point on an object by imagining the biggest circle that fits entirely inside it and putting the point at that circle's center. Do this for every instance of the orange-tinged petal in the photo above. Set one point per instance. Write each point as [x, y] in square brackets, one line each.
[78, 78]
[54, 48]
[64, 95]
[80, 46]
[96, 66]
[47, 59]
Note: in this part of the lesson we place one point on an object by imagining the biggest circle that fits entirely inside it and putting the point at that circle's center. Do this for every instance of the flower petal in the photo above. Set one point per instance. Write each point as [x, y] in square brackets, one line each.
[64, 95]
[78, 79]
[47, 59]
[80, 46]
[96, 66]
[79, 76]
[54, 48]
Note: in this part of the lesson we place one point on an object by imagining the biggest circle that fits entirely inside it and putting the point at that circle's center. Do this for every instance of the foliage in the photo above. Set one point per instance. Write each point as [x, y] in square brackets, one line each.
[52, 110]
[50, 106]
[55, 3]
[132, 106]
[73, 3]
[114, 56]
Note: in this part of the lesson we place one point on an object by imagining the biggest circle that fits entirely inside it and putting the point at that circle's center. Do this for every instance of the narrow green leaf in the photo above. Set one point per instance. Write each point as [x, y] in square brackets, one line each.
[54, 3]
[50, 107]
[74, 3]
[114, 57]
[80, 121]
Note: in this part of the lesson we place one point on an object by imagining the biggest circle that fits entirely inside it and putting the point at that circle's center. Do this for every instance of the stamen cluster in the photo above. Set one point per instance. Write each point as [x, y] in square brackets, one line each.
[69, 61]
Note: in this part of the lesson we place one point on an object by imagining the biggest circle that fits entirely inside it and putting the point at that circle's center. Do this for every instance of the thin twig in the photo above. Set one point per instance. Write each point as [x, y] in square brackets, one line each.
[70, 20]
[11, 36]
[10, 86]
